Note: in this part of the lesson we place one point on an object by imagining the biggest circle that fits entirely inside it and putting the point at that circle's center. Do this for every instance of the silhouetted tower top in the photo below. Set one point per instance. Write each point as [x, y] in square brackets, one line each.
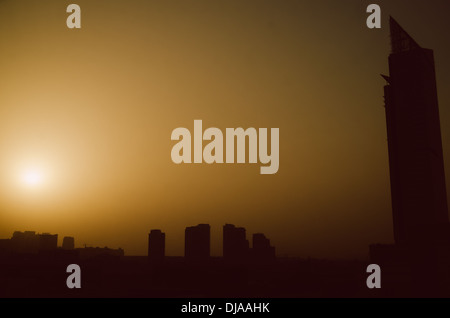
[260, 241]
[401, 41]
[197, 242]
[156, 245]
[262, 248]
[235, 244]
[418, 190]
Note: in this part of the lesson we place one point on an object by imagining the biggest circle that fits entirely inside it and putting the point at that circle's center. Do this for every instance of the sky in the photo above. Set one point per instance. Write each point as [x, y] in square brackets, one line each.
[86, 117]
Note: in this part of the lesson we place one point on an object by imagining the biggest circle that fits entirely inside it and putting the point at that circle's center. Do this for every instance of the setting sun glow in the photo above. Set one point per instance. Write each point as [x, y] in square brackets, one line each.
[32, 178]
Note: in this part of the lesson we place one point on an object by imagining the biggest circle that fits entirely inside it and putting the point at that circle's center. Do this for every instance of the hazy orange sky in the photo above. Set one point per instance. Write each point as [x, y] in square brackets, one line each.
[92, 111]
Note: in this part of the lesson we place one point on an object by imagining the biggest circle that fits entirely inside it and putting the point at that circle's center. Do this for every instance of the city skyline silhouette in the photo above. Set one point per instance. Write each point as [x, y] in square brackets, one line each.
[86, 119]
[197, 244]
[85, 125]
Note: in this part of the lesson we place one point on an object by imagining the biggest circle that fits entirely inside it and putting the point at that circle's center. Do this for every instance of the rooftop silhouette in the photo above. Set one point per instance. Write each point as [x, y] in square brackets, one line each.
[197, 242]
[235, 244]
[156, 245]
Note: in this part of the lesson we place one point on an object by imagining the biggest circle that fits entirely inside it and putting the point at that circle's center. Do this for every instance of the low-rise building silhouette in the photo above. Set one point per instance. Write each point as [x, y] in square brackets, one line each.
[29, 242]
[24, 242]
[5, 245]
[68, 243]
[100, 252]
[47, 241]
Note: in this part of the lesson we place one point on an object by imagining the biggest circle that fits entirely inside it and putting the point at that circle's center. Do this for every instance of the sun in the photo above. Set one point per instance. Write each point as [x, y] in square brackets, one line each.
[32, 178]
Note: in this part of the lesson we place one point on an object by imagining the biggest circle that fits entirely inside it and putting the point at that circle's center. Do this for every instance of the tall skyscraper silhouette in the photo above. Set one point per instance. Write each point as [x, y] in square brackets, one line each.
[419, 201]
[235, 244]
[156, 245]
[197, 242]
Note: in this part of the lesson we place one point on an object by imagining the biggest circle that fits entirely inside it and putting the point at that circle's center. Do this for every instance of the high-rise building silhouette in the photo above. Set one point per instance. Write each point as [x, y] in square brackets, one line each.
[261, 247]
[418, 191]
[68, 243]
[156, 245]
[419, 201]
[197, 242]
[235, 244]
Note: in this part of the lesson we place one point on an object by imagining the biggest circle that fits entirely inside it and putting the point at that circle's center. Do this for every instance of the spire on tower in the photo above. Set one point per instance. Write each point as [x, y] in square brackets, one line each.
[401, 41]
